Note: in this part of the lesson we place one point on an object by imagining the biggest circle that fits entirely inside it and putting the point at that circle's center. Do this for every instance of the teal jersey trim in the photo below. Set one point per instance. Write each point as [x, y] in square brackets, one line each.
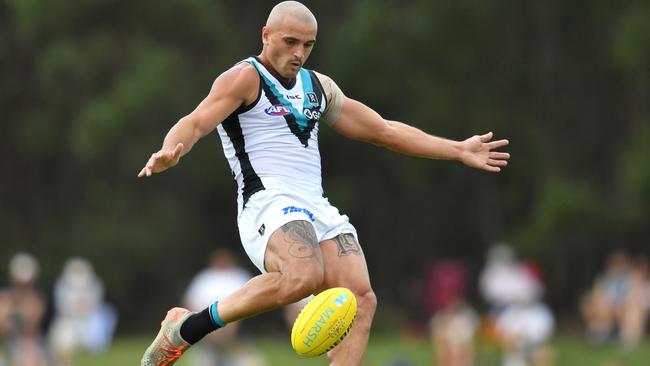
[307, 88]
[301, 120]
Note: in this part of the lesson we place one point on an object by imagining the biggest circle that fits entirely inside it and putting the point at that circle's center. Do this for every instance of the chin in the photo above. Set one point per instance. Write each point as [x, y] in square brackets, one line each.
[289, 75]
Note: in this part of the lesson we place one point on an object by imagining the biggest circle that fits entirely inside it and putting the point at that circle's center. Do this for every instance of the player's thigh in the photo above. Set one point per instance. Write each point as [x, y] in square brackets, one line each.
[345, 265]
[294, 249]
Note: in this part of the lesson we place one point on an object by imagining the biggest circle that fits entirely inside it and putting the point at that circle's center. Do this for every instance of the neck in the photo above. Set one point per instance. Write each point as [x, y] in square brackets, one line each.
[272, 70]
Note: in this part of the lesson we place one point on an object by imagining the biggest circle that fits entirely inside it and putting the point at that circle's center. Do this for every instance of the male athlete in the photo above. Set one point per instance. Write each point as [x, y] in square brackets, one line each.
[267, 111]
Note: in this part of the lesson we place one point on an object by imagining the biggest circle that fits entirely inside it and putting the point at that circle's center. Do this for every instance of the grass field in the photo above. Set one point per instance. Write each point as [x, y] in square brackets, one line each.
[385, 350]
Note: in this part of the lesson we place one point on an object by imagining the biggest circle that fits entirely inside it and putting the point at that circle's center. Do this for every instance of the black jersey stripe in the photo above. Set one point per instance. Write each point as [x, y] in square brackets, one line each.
[252, 182]
[318, 88]
[302, 135]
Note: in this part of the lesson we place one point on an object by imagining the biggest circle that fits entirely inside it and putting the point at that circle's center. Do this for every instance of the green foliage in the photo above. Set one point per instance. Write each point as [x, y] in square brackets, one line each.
[562, 208]
[635, 174]
[631, 39]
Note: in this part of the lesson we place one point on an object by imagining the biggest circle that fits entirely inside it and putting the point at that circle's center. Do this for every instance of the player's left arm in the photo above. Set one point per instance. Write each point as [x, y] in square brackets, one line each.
[359, 122]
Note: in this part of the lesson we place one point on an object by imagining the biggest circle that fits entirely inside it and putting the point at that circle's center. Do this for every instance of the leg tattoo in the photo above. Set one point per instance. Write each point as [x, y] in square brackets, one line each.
[347, 245]
[302, 239]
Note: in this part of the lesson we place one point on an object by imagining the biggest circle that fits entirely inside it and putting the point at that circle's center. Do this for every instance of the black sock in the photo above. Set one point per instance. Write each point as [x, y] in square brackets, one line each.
[198, 326]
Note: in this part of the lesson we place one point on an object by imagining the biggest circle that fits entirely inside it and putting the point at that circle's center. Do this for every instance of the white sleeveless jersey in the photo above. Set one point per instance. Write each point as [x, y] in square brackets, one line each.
[273, 143]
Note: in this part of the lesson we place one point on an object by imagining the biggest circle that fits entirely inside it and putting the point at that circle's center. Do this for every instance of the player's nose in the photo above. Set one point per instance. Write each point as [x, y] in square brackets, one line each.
[299, 54]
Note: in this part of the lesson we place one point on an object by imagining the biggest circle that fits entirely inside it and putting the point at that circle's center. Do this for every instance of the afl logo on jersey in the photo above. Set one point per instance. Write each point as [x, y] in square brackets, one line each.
[277, 110]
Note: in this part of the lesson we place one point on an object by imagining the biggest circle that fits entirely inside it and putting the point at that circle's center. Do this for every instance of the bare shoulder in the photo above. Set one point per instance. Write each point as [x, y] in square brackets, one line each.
[243, 72]
[241, 80]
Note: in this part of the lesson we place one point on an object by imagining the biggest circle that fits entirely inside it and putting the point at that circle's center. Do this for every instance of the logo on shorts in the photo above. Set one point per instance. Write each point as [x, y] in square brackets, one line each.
[261, 230]
[277, 110]
[286, 210]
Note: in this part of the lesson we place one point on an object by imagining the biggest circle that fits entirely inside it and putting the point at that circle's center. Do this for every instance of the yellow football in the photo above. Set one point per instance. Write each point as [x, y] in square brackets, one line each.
[324, 322]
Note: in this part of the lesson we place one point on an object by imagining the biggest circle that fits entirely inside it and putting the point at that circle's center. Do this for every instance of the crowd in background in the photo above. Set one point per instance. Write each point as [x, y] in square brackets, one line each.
[40, 330]
[518, 322]
[79, 317]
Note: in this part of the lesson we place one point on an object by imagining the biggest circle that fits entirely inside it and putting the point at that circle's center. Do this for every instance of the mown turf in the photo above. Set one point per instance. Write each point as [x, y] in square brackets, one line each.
[385, 350]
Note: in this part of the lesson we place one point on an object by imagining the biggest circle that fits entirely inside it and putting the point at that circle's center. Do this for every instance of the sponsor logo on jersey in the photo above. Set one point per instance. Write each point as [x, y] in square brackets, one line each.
[294, 96]
[277, 110]
[312, 114]
[288, 209]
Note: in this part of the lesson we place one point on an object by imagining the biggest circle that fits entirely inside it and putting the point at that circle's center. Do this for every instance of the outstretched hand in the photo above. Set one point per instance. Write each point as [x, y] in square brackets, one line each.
[161, 161]
[477, 153]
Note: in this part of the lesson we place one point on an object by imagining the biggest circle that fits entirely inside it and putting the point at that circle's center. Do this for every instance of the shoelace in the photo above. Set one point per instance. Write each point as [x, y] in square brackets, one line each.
[170, 352]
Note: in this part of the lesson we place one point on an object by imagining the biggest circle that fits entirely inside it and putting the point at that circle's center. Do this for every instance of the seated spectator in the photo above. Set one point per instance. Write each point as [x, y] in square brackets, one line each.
[453, 330]
[22, 308]
[519, 322]
[222, 277]
[616, 307]
[82, 321]
[454, 324]
[524, 330]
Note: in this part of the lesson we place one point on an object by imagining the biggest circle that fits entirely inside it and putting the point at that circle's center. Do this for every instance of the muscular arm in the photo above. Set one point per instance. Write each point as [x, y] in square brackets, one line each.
[359, 122]
[235, 87]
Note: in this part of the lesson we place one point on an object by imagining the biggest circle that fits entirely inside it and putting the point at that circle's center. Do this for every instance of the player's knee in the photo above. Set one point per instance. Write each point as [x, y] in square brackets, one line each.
[367, 303]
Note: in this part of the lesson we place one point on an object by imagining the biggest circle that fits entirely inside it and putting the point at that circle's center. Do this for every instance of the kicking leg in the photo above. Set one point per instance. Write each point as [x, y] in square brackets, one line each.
[345, 266]
[295, 270]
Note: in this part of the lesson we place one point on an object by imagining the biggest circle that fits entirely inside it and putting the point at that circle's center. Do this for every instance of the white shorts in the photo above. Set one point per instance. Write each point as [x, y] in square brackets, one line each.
[268, 210]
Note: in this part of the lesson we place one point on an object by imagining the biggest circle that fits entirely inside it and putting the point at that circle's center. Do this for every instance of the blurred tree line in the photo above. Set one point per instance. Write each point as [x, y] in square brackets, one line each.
[89, 88]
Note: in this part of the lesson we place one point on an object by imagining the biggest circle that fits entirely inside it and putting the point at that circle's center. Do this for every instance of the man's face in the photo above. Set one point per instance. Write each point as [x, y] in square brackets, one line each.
[288, 45]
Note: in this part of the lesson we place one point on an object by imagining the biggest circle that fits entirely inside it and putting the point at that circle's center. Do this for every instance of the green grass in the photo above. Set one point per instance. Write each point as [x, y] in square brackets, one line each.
[571, 351]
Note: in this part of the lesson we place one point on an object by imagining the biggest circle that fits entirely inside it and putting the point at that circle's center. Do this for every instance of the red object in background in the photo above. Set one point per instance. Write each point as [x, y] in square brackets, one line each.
[535, 270]
[445, 282]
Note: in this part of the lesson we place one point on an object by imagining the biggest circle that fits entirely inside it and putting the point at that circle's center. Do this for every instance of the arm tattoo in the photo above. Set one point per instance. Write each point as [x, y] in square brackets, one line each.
[302, 239]
[347, 245]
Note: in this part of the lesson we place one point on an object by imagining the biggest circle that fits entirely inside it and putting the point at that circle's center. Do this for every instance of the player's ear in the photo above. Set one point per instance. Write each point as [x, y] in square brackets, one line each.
[266, 34]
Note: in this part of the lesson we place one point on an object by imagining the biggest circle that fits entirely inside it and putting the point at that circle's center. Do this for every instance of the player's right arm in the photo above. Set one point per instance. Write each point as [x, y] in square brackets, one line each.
[235, 87]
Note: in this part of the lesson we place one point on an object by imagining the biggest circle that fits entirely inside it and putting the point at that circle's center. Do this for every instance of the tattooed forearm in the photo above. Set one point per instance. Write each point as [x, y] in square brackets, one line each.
[347, 245]
[302, 239]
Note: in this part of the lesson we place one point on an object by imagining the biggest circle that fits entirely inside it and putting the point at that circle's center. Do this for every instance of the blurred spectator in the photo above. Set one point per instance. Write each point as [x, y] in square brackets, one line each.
[503, 282]
[453, 331]
[21, 313]
[616, 307]
[222, 277]
[524, 330]
[454, 323]
[82, 321]
[518, 320]
[506, 281]
[635, 307]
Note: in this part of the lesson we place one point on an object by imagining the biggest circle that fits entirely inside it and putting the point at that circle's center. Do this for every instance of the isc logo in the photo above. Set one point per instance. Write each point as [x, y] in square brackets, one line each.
[277, 110]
